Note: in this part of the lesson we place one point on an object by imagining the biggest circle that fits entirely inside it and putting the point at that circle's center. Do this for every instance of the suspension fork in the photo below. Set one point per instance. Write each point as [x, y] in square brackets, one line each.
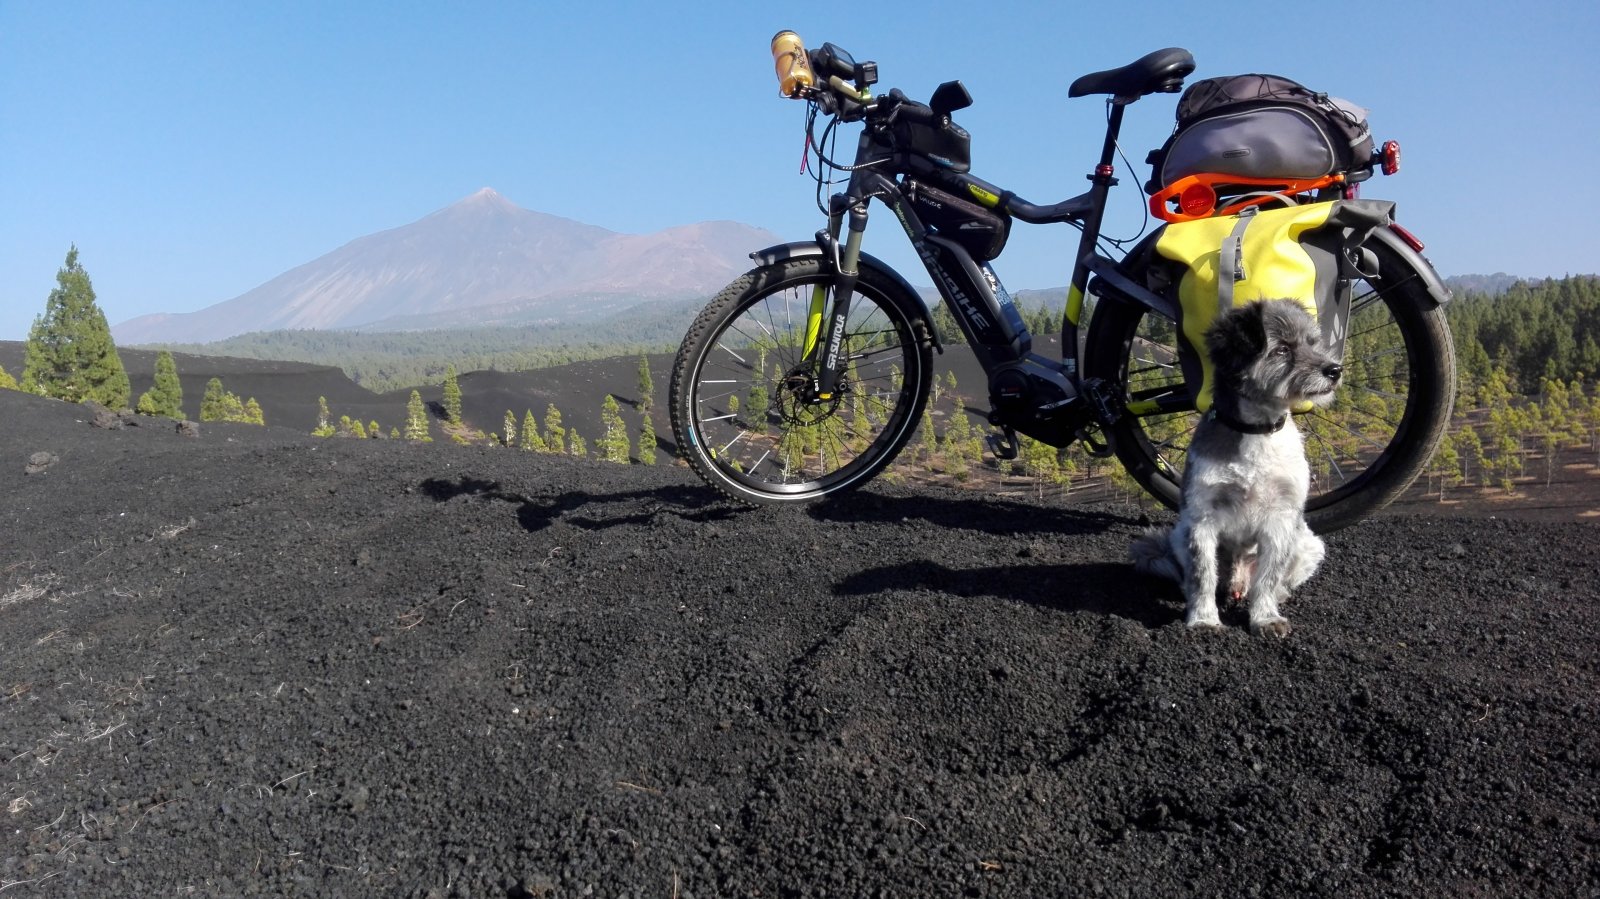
[825, 328]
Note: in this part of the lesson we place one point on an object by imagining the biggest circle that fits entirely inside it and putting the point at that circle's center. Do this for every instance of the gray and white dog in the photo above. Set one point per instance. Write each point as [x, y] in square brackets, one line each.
[1245, 484]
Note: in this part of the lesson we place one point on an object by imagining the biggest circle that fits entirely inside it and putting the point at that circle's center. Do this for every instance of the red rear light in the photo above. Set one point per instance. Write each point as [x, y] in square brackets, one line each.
[1407, 236]
[1197, 199]
[1391, 157]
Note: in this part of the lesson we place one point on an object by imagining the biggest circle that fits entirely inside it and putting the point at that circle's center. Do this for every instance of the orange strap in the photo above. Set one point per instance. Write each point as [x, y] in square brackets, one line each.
[1163, 203]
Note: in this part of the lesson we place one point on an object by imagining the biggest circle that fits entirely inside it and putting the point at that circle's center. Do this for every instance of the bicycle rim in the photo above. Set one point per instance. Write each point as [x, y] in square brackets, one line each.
[754, 425]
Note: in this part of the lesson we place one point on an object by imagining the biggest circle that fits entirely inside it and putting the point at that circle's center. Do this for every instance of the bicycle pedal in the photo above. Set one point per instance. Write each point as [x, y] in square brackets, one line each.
[1094, 447]
[1103, 398]
[1004, 446]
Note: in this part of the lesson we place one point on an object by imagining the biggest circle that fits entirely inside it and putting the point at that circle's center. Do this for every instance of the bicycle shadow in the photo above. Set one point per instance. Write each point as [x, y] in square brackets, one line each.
[687, 503]
[1100, 588]
[991, 515]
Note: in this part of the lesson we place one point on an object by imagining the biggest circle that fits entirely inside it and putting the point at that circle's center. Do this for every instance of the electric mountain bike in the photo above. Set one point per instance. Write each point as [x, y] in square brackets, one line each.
[808, 374]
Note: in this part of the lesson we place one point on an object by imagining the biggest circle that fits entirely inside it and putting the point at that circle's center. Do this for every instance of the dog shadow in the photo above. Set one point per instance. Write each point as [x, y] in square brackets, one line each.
[1100, 588]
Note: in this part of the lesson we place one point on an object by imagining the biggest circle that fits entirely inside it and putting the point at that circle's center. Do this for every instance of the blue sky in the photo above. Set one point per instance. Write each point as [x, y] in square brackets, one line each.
[195, 150]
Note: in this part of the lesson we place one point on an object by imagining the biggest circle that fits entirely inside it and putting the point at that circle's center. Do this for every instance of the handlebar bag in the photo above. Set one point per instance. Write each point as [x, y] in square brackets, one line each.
[1307, 253]
[1261, 126]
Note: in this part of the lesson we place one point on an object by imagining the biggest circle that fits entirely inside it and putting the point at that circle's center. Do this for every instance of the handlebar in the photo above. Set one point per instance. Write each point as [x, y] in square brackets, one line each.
[820, 76]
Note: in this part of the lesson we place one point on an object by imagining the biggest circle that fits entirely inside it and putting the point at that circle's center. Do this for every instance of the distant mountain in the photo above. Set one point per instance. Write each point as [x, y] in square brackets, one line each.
[1493, 285]
[480, 260]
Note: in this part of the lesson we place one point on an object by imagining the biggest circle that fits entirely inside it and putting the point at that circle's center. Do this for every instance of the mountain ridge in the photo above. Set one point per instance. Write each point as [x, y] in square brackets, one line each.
[481, 251]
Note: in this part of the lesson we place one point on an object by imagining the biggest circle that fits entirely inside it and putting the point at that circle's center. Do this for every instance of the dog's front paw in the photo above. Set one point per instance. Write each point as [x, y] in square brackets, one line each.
[1271, 627]
[1206, 622]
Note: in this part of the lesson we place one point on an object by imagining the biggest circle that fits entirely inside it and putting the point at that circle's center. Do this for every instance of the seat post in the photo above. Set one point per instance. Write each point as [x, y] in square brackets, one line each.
[1103, 179]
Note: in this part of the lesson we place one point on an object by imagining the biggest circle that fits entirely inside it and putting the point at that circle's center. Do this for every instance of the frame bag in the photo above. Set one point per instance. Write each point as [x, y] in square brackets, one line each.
[1261, 126]
[1306, 253]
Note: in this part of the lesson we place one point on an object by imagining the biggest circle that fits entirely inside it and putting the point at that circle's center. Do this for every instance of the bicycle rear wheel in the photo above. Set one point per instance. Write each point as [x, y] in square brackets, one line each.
[743, 410]
[1365, 449]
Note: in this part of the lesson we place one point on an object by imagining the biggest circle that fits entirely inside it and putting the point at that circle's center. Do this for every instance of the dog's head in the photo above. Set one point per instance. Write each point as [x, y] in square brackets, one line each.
[1271, 352]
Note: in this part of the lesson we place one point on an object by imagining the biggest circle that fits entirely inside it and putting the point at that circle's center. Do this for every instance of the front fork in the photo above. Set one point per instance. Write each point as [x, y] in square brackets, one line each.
[825, 327]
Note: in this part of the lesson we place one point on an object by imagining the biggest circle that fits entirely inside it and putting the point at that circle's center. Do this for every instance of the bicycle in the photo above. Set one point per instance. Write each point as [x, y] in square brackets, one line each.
[807, 375]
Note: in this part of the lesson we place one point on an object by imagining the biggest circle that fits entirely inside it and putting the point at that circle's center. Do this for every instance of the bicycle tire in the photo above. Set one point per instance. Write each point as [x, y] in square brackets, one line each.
[747, 346]
[1364, 454]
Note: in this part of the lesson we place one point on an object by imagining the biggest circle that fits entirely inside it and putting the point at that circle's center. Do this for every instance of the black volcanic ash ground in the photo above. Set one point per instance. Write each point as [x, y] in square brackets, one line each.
[258, 663]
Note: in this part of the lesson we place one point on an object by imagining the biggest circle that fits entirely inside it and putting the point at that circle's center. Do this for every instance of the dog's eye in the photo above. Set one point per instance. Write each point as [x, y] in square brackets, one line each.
[1281, 349]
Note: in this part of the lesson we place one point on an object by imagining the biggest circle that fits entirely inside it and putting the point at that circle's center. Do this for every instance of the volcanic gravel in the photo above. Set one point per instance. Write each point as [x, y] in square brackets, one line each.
[255, 662]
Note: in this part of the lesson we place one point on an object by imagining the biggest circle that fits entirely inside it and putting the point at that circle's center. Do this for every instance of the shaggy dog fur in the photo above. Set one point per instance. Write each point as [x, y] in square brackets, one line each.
[1245, 484]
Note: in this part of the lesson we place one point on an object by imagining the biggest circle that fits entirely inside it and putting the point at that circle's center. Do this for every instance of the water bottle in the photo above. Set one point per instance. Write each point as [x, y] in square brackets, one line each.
[794, 69]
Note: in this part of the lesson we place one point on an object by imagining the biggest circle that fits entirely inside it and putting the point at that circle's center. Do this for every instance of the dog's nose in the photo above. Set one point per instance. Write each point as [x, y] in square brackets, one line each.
[1333, 371]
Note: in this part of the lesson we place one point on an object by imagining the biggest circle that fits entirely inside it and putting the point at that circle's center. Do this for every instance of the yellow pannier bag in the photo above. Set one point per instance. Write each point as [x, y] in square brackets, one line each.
[1306, 253]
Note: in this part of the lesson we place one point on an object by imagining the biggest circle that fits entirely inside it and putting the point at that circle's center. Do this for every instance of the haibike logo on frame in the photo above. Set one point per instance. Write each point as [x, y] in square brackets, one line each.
[952, 290]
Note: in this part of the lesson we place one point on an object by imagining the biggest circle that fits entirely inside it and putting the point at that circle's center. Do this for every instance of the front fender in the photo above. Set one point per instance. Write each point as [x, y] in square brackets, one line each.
[803, 249]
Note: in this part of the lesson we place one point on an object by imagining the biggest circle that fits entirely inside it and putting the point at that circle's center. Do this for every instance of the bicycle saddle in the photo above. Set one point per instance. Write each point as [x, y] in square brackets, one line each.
[1160, 72]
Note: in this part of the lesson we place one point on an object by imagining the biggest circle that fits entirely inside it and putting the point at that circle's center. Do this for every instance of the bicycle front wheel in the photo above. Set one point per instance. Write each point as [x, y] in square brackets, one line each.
[1388, 417]
[744, 411]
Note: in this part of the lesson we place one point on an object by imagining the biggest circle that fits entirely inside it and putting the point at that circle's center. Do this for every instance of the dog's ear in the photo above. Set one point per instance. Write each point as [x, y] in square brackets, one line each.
[1239, 335]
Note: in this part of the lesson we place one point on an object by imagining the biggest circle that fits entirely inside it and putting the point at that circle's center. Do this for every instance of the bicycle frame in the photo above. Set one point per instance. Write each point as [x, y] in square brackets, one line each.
[824, 420]
[1036, 395]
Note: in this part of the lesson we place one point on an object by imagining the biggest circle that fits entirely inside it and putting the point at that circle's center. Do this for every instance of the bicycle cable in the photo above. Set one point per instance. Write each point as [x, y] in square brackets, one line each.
[1120, 242]
[824, 149]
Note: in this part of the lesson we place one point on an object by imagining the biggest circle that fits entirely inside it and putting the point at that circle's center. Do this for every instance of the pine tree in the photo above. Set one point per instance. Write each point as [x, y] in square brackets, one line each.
[452, 396]
[530, 440]
[957, 434]
[6, 381]
[647, 387]
[614, 444]
[220, 404]
[212, 404]
[555, 436]
[647, 442]
[930, 441]
[508, 429]
[373, 430]
[324, 426]
[417, 420]
[576, 444]
[232, 407]
[165, 397]
[70, 354]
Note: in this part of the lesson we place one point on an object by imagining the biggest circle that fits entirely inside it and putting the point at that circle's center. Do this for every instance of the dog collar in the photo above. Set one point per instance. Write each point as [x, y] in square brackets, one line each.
[1242, 427]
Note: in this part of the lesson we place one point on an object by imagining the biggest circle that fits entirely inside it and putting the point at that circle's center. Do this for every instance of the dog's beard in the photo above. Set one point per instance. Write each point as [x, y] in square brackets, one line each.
[1293, 381]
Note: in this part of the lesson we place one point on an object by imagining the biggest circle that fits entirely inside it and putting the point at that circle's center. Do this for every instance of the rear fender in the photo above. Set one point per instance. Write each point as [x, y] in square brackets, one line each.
[1392, 241]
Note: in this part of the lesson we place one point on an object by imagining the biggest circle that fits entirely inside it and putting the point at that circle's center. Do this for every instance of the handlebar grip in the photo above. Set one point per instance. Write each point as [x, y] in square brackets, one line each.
[793, 67]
